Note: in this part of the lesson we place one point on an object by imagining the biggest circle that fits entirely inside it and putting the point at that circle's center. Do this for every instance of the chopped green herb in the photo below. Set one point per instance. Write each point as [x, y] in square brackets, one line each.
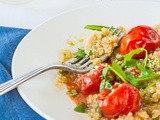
[90, 53]
[140, 82]
[80, 53]
[95, 27]
[129, 56]
[108, 85]
[107, 77]
[102, 85]
[129, 62]
[137, 82]
[104, 72]
[144, 71]
[118, 71]
[129, 76]
[105, 84]
[80, 108]
[99, 28]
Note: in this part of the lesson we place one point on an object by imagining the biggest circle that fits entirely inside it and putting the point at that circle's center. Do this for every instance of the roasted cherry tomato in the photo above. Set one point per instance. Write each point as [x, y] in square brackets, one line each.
[122, 99]
[140, 37]
[90, 82]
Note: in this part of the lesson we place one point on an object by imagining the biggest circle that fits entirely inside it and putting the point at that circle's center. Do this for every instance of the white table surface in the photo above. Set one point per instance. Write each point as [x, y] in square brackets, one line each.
[34, 12]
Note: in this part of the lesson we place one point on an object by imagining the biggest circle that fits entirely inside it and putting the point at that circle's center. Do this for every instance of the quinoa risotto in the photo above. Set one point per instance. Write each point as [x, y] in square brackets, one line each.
[124, 87]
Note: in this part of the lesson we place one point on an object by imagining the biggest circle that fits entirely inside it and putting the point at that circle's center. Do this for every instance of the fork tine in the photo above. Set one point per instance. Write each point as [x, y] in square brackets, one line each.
[90, 67]
[89, 62]
[85, 65]
[80, 63]
[104, 57]
[118, 33]
[83, 60]
[110, 28]
[114, 31]
[73, 60]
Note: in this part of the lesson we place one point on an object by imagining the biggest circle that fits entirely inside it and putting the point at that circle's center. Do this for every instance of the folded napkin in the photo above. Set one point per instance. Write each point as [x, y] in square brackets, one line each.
[12, 107]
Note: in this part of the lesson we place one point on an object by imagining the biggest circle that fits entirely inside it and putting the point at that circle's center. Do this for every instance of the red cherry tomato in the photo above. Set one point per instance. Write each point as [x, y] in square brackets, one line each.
[90, 82]
[122, 99]
[140, 37]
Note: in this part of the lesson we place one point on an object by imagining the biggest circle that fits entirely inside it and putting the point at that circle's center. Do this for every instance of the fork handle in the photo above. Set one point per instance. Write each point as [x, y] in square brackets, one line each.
[13, 83]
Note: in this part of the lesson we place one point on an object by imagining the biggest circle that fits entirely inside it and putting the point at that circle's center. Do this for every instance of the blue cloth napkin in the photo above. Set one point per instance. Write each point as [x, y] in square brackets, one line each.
[12, 107]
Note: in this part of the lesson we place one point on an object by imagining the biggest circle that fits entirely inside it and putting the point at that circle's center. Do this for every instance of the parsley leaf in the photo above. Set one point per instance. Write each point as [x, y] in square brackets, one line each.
[80, 108]
[80, 53]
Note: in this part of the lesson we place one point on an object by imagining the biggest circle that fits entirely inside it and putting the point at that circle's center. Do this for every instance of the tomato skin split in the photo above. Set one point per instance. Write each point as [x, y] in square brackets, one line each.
[120, 100]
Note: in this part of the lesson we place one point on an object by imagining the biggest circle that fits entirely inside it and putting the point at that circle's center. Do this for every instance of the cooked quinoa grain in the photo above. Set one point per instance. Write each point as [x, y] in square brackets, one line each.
[65, 55]
[101, 43]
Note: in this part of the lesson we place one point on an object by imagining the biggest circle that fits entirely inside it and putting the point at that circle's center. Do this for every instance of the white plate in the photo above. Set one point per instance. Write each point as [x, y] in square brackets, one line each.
[42, 46]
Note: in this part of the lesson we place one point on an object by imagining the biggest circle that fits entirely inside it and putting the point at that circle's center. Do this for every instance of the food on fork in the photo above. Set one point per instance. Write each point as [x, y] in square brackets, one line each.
[126, 85]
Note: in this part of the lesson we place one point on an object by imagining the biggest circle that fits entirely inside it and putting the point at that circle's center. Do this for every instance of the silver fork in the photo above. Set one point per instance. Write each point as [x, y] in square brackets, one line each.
[73, 65]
